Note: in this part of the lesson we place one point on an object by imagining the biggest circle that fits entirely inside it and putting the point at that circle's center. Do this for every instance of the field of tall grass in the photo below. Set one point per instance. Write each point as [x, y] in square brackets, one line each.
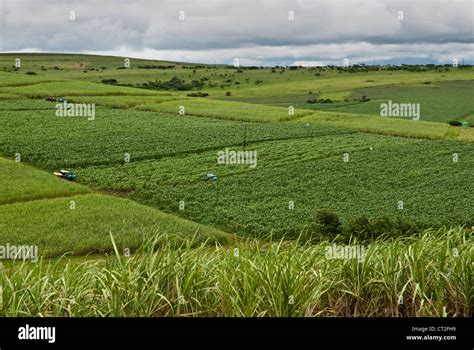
[429, 274]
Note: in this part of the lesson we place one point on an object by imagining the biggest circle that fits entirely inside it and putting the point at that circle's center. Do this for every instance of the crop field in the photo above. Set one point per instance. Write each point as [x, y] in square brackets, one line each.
[381, 171]
[226, 110]
[67, 87]
[81, 225]
[113, 133]
[390, 126]
[60, 217]
[438, 102]
[24, 183]
[313, 172]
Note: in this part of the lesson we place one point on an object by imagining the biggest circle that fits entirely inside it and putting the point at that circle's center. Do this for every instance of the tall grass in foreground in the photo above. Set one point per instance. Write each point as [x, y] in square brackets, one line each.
[429, 274]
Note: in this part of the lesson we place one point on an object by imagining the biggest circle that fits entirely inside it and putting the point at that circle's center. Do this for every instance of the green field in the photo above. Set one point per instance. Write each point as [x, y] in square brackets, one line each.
[66, 218]
[24, 183]
[440, 102]
[141, 165]
[255, 200]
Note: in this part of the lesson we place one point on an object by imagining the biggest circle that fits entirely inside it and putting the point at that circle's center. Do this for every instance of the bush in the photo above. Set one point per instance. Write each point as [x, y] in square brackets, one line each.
[109, 81]
[228, 93]
[198, 94]
[455, 123]
[31, 73]
[381, 226]
[173, 84]
[328, 222]
[404, 227]
[359, 225]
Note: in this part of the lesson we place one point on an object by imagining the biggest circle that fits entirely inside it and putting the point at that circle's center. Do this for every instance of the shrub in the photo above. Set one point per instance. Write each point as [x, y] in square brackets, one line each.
[31, 73]
[381, 226]
[328, 222]
[173, 84]
[404, 227]
[109, 81]
[359, 225]
[455, 123]
[228, 93]
[198, 94]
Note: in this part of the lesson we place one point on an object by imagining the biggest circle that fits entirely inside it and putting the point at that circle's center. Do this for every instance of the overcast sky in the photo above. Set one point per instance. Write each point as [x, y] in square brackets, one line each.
[258, 32]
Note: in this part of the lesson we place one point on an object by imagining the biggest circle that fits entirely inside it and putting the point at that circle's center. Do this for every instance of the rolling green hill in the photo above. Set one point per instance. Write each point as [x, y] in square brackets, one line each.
[140, 145]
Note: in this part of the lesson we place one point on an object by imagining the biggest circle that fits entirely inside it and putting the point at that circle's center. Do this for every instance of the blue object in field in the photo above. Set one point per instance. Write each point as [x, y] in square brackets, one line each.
[60, 100]
[211, 177]
[67, 175]
[465, 123]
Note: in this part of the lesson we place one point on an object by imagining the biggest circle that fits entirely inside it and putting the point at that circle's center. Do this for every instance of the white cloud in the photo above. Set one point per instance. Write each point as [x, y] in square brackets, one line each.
[257, 31]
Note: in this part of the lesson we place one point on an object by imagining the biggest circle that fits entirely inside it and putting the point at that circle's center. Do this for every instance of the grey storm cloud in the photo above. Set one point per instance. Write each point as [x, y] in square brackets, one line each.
[259, 31]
